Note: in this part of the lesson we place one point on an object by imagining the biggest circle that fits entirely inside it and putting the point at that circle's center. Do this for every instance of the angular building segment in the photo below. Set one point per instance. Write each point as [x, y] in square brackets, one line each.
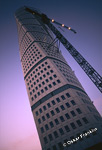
[65, 116]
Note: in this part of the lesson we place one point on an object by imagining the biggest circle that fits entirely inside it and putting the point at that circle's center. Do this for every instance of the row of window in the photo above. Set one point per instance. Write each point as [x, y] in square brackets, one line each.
[66, 128]
[35, 77]
[41, 74]
[52, 51]
[31, 56]
[44, 87]
[42, 37]
[26, 42]
[58, 111]
[41, 78]
[67, 72]
[58, 100]
[86, 101]
[62, 119]
[97, 117]
[82, 95]
[60, 132]
[60, 144]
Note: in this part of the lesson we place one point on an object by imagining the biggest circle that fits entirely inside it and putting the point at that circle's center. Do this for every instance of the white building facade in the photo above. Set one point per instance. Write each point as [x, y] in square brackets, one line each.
[65, 116]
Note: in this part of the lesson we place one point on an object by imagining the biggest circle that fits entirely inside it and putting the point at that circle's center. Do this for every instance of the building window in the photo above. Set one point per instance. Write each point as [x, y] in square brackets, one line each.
[48, 66]
[55, 76]
[47, 73]
[50, 78]
[73, 125]
[53, 102]
[47, 80]
[73, 113]
[33, 90]
[42, 65]
[43, 83]
[50, 86]
[48, 104]
[54, 83]
[85, 120]
[42, 130]
[44, 107]
[52, 113]
[51, 71]
[67, 104]
[30, 93]
[79, 123]
[62, 107]
[43, 118]
[39, 121]
[35, 76]
[51, 124]
[32, 98]
[58, 81]
[46, 63]
[67, 116]
[58, 100]
[46, 127]
[46, 88]
[79, 111]
[40, 110]
[48, 116]
[36, 88]
[42, 91]
[35, 96]
[62, 119]
[57, 110]
[61, 131]
[40, 78]
[73, 102]
[37, 113]
[45, 69]
[50, 137]
[68, 95]
[31, 85]
[63, 97]
[55, 134]
[67, 128]
[56, 121]
[37, 80]
[45, 140]
[44, 75]
[38, 93]
[39, 85]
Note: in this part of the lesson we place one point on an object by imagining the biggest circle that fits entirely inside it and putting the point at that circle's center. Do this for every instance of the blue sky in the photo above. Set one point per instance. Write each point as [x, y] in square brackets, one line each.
[85, 16]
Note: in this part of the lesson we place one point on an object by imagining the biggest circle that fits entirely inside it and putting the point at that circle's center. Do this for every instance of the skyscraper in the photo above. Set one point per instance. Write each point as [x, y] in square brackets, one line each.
[65, 116]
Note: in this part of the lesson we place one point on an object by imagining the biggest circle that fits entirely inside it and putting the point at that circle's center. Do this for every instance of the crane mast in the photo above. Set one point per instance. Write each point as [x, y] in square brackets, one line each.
[88, 69]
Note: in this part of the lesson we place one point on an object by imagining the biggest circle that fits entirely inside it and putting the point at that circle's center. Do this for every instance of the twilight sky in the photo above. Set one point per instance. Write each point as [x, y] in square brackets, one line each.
[17, 128]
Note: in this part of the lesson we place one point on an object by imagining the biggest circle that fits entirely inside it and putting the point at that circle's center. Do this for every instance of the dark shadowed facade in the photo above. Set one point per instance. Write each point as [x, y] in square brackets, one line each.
[65, 116]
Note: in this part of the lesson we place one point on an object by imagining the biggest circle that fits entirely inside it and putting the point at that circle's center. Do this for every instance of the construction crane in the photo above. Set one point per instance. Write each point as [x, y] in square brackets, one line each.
[88, 69]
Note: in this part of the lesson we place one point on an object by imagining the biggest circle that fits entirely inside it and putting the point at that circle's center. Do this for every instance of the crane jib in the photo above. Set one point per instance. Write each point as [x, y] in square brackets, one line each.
[88, 69]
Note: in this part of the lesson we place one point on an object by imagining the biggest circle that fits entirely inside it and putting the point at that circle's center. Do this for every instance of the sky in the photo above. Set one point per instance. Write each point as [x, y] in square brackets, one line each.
[17, 127]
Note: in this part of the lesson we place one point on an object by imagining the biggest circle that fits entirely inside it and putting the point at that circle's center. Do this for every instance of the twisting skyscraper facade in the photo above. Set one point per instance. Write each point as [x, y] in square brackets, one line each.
[65, 116]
